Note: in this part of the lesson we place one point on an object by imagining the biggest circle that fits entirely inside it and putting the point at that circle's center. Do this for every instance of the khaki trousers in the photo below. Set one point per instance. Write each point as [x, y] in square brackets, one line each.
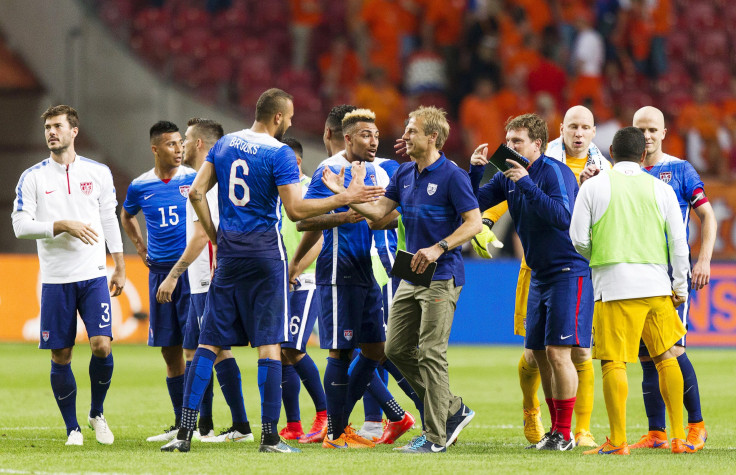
[416, 342]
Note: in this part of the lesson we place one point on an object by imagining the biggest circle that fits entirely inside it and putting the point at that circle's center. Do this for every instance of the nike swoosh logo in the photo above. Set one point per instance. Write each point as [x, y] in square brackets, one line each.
[108, 381]
[407, 186]
[146, 197]
[103, 326]
[49, 192]
[565, 337]
[62, 398]
[608, 451]
[688, 389]
[437, 448]
[336, 384]
[337, 446]
[657, 444]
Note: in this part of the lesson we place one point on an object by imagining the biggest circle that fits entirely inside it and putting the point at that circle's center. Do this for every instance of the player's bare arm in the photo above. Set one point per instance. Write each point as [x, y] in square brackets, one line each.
[299, 260]
[117, 280]
[472, 225]
[390, 221]
[374, 210]
[708, 229]
[77, 229]
[194, 248]
[133, 230]
[328, 221]
[205, 180]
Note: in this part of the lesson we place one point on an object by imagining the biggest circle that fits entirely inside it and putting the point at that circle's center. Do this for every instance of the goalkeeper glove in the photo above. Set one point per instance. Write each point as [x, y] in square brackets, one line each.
[486, 240]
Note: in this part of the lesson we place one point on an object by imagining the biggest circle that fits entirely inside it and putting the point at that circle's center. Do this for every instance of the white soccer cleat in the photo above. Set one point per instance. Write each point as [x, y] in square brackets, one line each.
[102, 431]
[229, 435]
[75, 438]
[166, 436]
[371, 430]
[199, 437]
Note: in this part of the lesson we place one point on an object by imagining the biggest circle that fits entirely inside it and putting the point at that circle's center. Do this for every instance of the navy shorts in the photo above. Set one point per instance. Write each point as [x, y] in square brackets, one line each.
[303, 310]
[194, 321]
[559, 313]
[59, 306]
[350, 315]
[246, 303]
[167, 320]
[683, 311]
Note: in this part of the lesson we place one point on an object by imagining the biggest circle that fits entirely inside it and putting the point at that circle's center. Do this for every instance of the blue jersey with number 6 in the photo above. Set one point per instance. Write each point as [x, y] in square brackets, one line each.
[249, 168]
[164, 204]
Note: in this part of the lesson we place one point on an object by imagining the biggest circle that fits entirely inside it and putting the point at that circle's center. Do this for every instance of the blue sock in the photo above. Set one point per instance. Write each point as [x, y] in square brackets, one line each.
[64, 387]
[653, 402]
[692, 393]
[205, 407]
[336, 392]
[228, 375]
[405, 386]
[269, 385]
[361, 373]
[176, 393]
[100, 375]
[309, 374]
[200, 374]
[371, 408]
[377, 388]
[290, 387]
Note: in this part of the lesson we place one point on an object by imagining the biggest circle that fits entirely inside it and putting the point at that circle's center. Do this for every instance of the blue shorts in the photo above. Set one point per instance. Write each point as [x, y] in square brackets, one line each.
[303, 310]
[246, 303]
[59, 306]
[388, 291]
[194, 321]
[683, 311]
[350, 315]
[167, 320]
[559, 313]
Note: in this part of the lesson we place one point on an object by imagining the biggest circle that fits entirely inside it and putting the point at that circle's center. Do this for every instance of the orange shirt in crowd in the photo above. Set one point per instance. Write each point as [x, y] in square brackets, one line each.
[388, 105]
[662, 18]
[702, 117]
[346, 67]
[383, 20]
[537, 13]
[482, 122]
[446, 17]
[511, 103]
[306, 12]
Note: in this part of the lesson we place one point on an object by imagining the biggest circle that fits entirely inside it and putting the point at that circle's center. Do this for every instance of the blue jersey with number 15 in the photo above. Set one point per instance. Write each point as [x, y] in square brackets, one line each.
[249, 168]
[164, 204]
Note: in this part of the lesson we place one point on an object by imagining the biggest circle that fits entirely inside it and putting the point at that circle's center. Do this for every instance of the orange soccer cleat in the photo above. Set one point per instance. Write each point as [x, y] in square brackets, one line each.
[394, 430]
[680, 446]
[654, 439]
[292, 431]
[348, 440]
[697, 435]
[314, 437]
[609, 449]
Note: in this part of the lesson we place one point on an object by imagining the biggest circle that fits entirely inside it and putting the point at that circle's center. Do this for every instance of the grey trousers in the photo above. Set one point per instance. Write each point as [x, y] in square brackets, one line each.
[416, 342]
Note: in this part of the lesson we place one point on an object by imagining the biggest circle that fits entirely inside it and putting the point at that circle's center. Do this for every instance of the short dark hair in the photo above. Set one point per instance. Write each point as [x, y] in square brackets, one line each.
[162, 127]
[337, 113]
[628, 145]
[207, 129]
[71, 114]
[536, 128]
[271, 103]
[295, 145]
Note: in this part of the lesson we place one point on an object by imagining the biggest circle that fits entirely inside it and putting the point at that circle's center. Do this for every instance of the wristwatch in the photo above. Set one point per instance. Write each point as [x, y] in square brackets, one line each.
[443, 244]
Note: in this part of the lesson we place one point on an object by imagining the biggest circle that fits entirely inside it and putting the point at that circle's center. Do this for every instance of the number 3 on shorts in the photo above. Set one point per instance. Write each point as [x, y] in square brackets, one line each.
[105, 312]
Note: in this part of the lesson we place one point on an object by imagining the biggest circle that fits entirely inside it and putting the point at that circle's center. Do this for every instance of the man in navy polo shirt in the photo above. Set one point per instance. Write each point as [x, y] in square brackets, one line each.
[440, 213]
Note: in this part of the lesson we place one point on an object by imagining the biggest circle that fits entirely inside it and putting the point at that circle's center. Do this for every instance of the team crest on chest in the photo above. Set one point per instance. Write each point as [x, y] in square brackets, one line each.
[184, 190]
[348, 334]
[431, 188]
[665, 176]
[86, 187]
[373, 180]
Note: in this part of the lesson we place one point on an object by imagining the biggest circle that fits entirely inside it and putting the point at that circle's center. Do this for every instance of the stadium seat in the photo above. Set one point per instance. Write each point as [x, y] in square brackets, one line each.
[699, 16]
[149, 18]
[193, 42]
[153, 43]
[291, 79]
[217, 70]
[188, 18]
[235, 18]
[712, 44]
[715, 74]
[117, 14]
[678, 44]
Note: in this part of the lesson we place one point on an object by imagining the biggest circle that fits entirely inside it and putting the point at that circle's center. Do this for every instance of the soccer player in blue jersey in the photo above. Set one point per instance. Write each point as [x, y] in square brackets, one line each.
[161, 194]
[560, 304]
[304, 308]
[690, 193]
[200, 136]
[67, 204]
[440, 214]
[351, 300]
[247, 299]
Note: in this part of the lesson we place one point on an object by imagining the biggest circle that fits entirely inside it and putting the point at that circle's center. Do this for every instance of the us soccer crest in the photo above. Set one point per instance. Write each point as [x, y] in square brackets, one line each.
[184, 190]
[348, 334]
[373, 180]
[431, 188]
[86, 187]
[45, 335]
[665, 176]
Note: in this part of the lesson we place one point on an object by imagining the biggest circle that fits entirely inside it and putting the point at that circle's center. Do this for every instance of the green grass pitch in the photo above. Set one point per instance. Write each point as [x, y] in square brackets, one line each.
[32, 433]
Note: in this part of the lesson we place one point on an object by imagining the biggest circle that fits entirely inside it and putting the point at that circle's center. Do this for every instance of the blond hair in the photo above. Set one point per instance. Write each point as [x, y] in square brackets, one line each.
[433, 120]
[358, 115]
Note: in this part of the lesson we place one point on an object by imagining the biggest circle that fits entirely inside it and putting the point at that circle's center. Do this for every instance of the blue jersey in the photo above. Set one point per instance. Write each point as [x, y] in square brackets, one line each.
[431, 204]
[541, 206]
[385, 239]
[683, 178]
[250, 167]
[345, 258]
[165, 207]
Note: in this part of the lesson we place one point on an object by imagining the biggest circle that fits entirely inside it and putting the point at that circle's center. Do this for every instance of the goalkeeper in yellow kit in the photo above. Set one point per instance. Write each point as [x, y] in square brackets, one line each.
[574, 148]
